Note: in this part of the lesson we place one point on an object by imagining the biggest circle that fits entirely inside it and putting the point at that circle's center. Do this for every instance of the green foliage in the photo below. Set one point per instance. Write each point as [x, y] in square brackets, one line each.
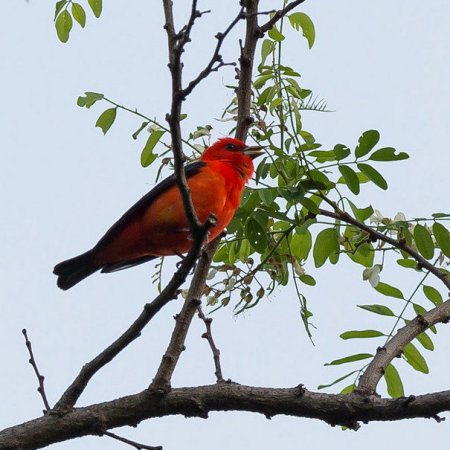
[414, 358]
[301, 21]
[63, 25]
[78, 14]
[393, 382]
[147, 155]
[361, 334]
[423, 241]
[63, 18]
[106, 119]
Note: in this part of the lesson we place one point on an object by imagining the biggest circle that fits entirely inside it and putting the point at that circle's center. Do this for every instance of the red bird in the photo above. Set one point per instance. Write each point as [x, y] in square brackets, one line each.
[156, 225]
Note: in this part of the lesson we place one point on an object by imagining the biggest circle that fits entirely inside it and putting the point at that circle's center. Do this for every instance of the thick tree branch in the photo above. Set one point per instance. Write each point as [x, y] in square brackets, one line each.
[401, 244]
[372, 375]
[199, 401]
[246, 59]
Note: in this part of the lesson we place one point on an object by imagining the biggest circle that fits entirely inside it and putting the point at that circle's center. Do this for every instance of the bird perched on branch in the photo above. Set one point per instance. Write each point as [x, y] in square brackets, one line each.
[157, 226]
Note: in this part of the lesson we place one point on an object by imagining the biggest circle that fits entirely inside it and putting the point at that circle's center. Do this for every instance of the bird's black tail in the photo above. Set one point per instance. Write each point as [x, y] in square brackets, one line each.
[72, 271]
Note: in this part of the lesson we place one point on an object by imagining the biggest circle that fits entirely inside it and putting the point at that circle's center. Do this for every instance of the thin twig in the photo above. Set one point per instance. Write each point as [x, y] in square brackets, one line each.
[40, 377]
[214, 349]
[216, 58]
[132, 443]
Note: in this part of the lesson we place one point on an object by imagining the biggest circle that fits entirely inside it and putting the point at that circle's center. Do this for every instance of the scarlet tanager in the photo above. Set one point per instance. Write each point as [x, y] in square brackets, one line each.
[156, 225]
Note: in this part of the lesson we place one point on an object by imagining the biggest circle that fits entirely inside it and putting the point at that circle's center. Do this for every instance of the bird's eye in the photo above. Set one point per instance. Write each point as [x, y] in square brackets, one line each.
[230, 146]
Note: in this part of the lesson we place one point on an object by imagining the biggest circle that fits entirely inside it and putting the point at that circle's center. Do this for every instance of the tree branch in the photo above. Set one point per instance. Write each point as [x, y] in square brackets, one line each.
[215, 351]
[401, 244]
[40, 377]
[184, 318]
[199, 401]
[216, 57]
[372, 375]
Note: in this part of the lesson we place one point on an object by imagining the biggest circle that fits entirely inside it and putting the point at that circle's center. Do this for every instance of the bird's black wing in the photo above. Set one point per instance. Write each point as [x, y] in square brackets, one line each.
[140, 207]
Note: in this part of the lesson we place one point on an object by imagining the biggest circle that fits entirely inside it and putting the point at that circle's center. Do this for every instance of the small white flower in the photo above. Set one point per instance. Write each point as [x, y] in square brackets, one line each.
[373, 274]
[299, 270]
[211, 274]
[377, 217]
[399, 217]
[153, 127]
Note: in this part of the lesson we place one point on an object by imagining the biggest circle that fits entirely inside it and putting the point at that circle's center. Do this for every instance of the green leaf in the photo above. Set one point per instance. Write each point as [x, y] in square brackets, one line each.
[308, 279]
[245, 250]
[256, 234]
[341, 151]
[326, 244]
[362, 214]
[323, 386]
[267, 48]
[300, 245]
[419, 309]
[377, 309]
[408, 263]
[373, 175]
[347, 390]
[433, 295]
[361, 334]
[389, 290]
[388, 154]
[301, 20]
[367, 142]
[89, 99]
[63, 25]
[363, 255]
[147, 155]
[59, 6]
[414, 358]
[78, 14]
[424, 241]
[275, 34]
[347, 359]
[442, 238]
[265, 195]
[309, 205]
[106, 119]
[96, 6]
[426, 341]
[351, 179]
[393, 382]
[440, 215]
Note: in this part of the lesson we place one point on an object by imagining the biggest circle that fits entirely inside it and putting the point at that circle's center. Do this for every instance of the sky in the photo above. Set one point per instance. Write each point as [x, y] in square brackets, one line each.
[379, 65]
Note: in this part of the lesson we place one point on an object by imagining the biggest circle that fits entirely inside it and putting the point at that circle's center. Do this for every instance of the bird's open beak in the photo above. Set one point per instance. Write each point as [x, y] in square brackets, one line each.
[254, 151]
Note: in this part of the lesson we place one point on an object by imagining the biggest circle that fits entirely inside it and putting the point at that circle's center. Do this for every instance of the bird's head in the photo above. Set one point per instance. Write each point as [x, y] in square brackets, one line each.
[232, 150]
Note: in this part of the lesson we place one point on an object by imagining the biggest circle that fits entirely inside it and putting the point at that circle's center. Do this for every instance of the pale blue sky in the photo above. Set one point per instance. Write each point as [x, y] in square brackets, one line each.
[381, 65]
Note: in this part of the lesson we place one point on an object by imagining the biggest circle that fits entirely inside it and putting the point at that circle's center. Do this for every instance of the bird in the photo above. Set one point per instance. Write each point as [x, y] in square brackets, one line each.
[156, 225]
